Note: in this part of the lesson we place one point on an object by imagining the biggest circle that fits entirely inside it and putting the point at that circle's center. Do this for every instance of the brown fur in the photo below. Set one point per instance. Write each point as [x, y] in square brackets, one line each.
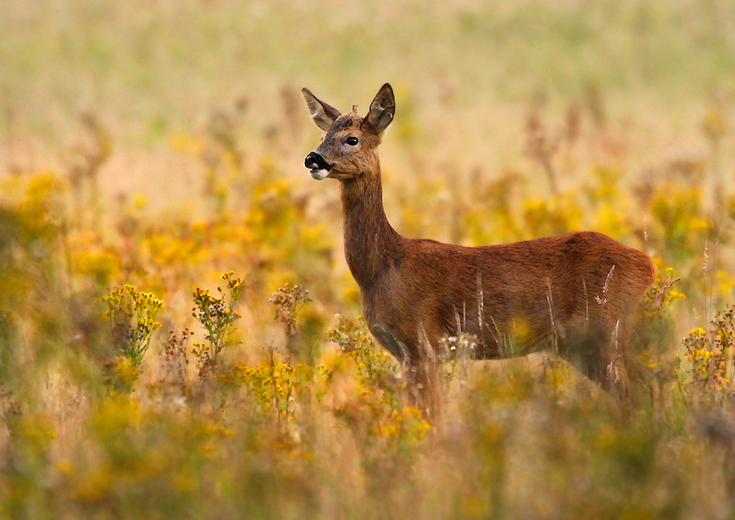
[574, 292]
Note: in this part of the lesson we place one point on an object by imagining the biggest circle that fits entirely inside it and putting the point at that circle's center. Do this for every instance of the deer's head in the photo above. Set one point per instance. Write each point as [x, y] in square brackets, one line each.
[349, 143]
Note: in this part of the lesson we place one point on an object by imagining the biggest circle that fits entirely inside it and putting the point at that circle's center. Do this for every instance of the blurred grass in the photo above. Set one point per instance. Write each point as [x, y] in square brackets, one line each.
[160, 144]
[163, 63]
[152, 70]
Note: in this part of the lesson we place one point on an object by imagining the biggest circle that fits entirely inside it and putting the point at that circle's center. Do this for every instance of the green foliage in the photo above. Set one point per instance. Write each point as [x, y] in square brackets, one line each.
[280, 388]
[707, 366]
[216, 315]
[684, 227]
[288, 301]
[132, 316]
[378, 372]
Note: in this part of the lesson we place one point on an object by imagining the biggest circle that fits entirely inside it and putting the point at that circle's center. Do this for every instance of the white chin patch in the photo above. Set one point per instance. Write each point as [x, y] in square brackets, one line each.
[319, 174]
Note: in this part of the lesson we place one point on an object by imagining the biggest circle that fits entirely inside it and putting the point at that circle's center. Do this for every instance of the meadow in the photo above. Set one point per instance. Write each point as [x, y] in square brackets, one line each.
[180, 336]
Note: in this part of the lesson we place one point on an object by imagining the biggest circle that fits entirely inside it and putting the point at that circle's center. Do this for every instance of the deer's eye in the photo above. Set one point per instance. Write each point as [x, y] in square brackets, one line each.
[352, 141]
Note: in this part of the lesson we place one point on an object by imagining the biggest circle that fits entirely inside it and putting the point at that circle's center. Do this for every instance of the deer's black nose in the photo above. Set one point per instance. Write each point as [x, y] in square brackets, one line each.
[314, 161]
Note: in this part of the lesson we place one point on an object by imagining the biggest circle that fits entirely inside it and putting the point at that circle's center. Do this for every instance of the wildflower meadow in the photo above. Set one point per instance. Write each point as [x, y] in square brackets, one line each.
[180, 336]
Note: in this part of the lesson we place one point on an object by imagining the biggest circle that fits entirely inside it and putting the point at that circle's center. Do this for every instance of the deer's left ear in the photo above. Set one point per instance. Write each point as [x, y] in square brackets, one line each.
[382, 109]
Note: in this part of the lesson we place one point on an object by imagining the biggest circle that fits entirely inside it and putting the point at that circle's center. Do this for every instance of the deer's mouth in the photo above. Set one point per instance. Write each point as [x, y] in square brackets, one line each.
[319, 174]
[318, 167]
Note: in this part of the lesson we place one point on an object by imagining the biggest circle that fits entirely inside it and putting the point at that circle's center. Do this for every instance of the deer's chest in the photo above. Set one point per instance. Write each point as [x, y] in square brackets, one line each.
[385, 319]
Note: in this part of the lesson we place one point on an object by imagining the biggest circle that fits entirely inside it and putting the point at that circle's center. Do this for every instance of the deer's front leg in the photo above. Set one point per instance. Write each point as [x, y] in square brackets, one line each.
[424, 391]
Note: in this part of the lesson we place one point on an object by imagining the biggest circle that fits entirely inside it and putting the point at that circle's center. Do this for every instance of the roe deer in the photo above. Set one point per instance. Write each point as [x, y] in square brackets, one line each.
[575, 292]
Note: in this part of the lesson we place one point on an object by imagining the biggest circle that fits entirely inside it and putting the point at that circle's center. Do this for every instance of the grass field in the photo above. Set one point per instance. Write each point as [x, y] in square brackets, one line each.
[180, 336]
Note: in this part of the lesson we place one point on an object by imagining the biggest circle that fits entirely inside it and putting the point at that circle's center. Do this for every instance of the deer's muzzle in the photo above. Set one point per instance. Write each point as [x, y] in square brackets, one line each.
[318, 166]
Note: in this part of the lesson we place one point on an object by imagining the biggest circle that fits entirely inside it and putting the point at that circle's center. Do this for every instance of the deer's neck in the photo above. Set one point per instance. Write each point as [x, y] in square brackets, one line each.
[370, 241]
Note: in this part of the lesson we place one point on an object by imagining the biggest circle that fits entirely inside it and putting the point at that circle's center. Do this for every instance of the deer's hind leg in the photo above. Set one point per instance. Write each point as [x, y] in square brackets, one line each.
[599, 350]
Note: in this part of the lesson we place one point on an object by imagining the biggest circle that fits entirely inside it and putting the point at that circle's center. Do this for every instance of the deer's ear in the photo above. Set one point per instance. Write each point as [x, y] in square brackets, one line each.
[323, 115]
[382, 109]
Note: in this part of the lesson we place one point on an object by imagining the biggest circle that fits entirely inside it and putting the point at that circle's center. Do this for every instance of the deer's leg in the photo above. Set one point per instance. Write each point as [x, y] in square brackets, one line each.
[423, 379]
[423, 392]
[600, 351]
[415, 386]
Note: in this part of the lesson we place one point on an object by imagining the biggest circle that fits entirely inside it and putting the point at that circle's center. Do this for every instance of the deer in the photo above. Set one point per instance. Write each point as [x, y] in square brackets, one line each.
[575, 293]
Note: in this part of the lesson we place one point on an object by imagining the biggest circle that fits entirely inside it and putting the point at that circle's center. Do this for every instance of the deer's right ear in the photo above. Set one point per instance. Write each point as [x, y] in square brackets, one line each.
[323, 115]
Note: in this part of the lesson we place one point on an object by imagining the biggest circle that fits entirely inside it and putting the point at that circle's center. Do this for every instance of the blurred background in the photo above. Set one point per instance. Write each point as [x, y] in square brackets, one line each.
[467, 74]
